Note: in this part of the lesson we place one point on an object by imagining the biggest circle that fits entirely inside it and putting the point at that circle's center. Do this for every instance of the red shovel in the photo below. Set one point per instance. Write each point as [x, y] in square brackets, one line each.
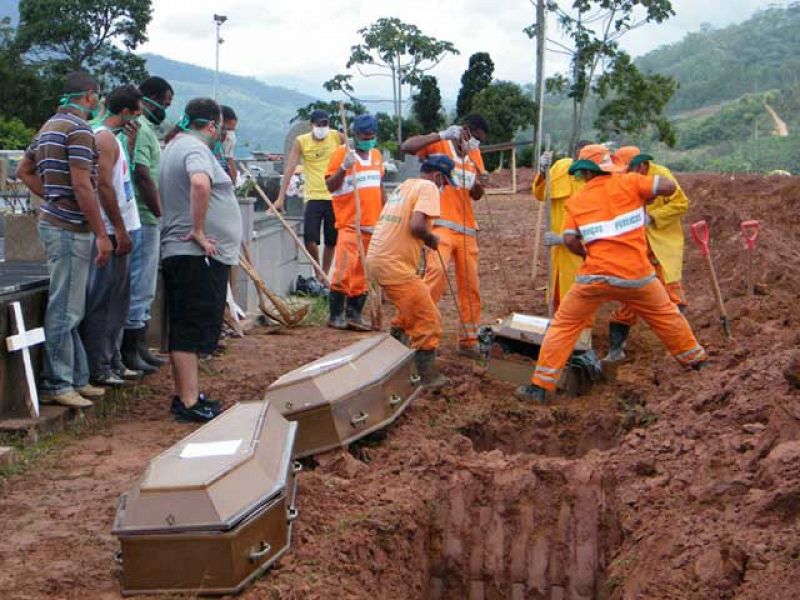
[750, 231]
[700, 235]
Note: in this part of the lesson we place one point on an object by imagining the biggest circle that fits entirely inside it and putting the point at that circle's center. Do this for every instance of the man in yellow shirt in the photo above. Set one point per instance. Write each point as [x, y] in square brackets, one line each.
[664, 241]
[394, 252]
[315, 149]
[564, 264]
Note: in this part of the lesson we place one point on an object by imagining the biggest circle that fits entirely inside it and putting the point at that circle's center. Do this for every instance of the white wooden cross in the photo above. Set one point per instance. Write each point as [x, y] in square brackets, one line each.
[23, 340]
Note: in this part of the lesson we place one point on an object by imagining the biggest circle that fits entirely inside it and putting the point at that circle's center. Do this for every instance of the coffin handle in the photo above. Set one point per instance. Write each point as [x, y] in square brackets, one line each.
[297, 467]
[257, 555]
[395, 399]
[292, 514]
[415, 379]
[360, 419]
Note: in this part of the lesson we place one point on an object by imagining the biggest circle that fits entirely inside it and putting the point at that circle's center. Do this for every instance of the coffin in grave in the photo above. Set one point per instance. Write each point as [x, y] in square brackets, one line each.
[513, 345]
[214, 511]
[348, 394]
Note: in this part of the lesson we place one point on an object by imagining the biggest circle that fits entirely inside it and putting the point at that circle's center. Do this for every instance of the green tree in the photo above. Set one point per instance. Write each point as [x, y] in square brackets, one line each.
[14, 135]
[401, 51]
[593, 28]
[477, 77]
[96, 35]
[506, 107]
[427, 104]
[637, 101]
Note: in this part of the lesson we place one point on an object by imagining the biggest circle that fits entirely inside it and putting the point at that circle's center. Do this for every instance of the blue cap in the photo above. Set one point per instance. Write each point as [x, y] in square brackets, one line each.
[440, 163]
[318, 115]
[365, 124]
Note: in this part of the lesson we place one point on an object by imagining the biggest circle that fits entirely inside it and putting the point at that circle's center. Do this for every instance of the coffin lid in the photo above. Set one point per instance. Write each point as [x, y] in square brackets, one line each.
[338, 374]
[215, 477]
[531, 329]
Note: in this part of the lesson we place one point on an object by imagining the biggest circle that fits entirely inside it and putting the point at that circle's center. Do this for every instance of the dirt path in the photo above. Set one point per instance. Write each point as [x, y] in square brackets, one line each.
[781, 128]
[662, 485]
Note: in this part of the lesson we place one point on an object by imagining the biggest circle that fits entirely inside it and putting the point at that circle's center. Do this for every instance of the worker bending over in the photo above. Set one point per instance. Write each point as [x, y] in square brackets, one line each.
[564, 264]
[606, 225]
[347, 171]
[456, 227]
[664, 245]
[403, 228]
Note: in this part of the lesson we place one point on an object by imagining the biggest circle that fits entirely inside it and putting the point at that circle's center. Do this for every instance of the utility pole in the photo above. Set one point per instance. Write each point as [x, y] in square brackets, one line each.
[218, 20]
[540, 50]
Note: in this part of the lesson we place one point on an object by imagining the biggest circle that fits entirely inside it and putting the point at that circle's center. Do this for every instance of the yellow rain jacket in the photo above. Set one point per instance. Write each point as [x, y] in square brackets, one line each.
[565, 264]
[665, 233]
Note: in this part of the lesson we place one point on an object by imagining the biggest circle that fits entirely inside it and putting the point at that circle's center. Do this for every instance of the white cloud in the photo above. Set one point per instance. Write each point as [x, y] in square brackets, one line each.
[305, 41]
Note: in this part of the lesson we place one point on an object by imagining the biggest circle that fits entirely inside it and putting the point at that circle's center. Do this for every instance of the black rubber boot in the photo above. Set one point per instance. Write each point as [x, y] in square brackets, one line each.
[532, 393]
[399, 335]
[353, 313]
[427, 370]
[336, 301]
[144, 351]
[617, 335]
[130, 353]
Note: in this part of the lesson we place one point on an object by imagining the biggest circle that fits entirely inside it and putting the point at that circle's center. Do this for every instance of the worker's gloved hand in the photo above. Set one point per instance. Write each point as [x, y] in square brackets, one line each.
[452, 133]
[349, 160]
[545, 160]
[553, 239]
[432, 241]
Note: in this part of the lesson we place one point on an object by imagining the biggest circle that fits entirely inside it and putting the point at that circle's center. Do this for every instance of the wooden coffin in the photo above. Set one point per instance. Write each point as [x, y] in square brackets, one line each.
[348, 394]
[215, 510]
[516, 341]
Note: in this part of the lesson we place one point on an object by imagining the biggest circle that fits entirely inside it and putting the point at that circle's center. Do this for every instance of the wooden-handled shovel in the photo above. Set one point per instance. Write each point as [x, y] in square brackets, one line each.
[701, 237]
[750, 231]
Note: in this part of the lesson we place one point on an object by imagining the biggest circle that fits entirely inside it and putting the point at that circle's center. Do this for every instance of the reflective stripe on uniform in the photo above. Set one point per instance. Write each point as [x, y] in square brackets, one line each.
[615, 281]
[458, 228]
[548, 370]
[690, 356]
[619, 225]
[545, 378]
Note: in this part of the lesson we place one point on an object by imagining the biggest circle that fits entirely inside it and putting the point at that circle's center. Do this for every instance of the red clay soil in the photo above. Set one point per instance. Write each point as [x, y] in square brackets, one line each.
[663, 484]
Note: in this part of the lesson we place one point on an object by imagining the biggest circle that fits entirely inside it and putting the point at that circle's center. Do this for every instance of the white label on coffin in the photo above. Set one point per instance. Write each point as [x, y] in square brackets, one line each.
[327, 363]
[530, 323]
[206, 449]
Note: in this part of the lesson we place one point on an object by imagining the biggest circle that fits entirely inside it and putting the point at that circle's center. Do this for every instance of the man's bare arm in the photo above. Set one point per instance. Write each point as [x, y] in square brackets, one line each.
[574, 245]
[148, 191]
[26, 172]
[288, 170]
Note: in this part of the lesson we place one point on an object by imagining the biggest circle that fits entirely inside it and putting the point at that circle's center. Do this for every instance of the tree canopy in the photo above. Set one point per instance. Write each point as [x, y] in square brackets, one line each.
[477, 77]
[428, 104]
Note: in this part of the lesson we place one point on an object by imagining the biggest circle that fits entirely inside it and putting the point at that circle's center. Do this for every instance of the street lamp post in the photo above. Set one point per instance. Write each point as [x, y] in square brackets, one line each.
[219, 20]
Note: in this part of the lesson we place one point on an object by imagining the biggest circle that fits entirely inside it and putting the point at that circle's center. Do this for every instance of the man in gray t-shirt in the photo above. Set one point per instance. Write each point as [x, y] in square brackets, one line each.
[201, 234]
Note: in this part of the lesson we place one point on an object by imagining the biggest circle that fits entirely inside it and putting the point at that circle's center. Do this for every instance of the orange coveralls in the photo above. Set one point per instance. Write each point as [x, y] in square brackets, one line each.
[609, 215]
[347, 272]
[457, 232]
[393, 258]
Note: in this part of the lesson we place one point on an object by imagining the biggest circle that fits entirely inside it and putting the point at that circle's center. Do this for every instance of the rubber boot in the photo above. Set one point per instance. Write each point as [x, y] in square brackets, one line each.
[336, 301]
[130, 353]
[353, 313]
[144, 351]
[617, 335]
[400, 335]
[532, 393]
[430, 378]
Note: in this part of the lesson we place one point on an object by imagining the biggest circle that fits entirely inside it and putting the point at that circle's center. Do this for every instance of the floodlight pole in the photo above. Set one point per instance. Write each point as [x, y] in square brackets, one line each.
[218, 20]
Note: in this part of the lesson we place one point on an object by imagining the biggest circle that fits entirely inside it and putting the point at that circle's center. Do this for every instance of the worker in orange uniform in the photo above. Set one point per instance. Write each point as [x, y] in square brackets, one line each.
[564, 264]
[404, 226]
[347, 170]
[456, 228]
[665, 245]
[606, 225]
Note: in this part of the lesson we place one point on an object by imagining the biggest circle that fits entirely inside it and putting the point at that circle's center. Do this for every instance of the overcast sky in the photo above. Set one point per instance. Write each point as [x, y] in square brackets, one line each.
[301, 43]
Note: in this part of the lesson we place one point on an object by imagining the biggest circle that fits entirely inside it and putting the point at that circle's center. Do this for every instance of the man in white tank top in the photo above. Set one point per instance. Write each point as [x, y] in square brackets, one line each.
[108, 294]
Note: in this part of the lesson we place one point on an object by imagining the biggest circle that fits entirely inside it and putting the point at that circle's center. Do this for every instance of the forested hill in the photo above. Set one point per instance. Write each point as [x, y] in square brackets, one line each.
[716, 65]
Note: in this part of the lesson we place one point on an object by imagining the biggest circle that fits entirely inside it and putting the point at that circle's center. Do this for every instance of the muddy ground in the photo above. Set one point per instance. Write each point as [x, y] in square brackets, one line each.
[663, 484]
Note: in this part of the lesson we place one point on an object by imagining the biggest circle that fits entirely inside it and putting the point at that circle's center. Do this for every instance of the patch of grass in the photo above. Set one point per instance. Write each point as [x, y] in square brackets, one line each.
[318, 313]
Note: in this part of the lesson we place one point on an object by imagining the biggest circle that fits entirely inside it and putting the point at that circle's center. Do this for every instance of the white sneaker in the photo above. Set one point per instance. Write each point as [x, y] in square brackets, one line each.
[70, 398]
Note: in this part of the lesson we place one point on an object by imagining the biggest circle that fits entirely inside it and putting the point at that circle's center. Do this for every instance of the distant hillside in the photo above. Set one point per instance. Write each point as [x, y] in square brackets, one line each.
[264, 110]
[715, 65]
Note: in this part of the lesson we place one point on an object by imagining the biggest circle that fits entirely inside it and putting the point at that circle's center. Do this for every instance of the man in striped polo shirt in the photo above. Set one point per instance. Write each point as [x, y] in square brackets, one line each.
[61, 166]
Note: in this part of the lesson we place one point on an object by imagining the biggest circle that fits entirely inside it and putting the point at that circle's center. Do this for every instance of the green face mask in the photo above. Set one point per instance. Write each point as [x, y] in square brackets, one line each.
[366, 145]
[66, 102]
[212, 141]
[157, 114]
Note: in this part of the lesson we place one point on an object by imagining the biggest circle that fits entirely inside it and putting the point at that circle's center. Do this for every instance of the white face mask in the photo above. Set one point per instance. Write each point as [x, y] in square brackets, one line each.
[320, 133]
[473, 144]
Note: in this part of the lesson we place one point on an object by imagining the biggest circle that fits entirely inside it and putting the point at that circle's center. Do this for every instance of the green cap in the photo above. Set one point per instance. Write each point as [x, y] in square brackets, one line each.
[639, 159]
[585, 165]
